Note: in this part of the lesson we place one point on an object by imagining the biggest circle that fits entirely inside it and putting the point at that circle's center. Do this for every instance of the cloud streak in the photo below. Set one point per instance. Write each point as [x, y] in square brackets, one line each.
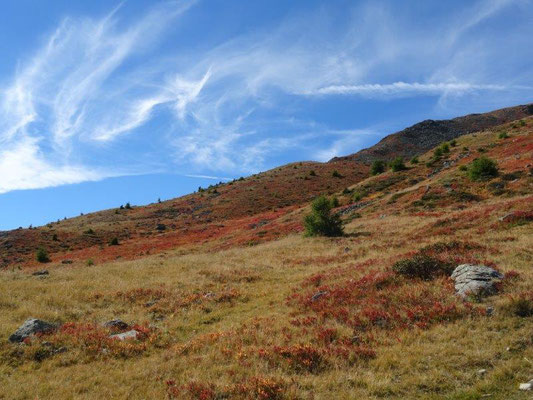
[107, 97]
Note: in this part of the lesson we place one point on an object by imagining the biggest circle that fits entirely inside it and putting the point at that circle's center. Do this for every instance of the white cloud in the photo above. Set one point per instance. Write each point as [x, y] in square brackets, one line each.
[404, 89]
[23, 166]
[233, 107]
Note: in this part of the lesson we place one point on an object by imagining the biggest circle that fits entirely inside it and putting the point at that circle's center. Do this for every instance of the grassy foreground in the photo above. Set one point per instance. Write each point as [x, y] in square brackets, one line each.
[303, 318]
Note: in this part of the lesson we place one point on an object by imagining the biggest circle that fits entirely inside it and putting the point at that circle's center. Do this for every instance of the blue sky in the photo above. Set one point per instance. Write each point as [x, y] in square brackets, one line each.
[106, 102]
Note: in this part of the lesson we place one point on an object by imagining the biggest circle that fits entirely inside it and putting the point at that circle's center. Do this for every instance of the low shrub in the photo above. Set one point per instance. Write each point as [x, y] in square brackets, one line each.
[397, 164]
[423, 267]
[483, 168]
[378, 167]
[114, 242]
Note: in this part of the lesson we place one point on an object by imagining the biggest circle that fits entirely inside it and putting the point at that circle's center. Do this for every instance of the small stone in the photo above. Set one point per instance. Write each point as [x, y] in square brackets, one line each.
[117, 324]
[42, 272]
[482, 372]
[125, 335]
[29, 328]
[318, 295]
[208, 295]
[526, 386]
[67, 262]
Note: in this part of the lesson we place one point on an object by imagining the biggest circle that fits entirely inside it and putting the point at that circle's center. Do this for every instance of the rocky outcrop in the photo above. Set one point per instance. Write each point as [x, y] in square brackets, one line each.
[475, 280]
[424, 136]
[29, 328]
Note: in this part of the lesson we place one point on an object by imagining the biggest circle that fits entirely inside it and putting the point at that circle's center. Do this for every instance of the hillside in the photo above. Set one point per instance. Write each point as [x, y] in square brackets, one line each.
[232, 302]
[246, 211]
[421, 137]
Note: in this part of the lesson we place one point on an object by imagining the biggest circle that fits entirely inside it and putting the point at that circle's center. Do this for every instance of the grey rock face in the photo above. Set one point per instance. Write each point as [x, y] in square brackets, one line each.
[31, 327]
[475, 280]
[125, 335]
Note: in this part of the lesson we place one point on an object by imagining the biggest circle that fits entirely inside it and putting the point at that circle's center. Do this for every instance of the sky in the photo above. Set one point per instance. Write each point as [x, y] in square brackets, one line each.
[105, 102]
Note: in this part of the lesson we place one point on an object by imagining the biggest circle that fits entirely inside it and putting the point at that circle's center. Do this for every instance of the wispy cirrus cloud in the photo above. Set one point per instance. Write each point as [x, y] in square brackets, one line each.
[106, 97]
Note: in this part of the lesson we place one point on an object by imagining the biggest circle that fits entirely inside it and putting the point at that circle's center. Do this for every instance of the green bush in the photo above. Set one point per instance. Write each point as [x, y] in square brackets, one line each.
[453, 143]
[378, 167]
[321, 222]
[127, 206]
[422, 266]
[445, 147]
[114, 242]
[397, 164]
[90, 262]
[42, 256]
[358, 196]
[312, 173]
[463, 168]
[503, 135]
[482, 168]
[336, 174]
[437, 153]
[414, 160]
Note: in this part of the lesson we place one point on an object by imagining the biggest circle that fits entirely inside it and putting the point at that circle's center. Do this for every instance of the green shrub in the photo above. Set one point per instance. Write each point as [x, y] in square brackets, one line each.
[90, 262]
[414, 160]
[321, 222]
[114, 242]
[453, 143]
[445, 147]
[312, 173]
[42, 256]
[378, 167]
[55, 238]
[522, 122]
[463, 168]
[482, 168]
[127, 206]
[397, 164]
[335, 202]
[358, 196]
[89, 232]
[437, 153]
[422, 266]
[336, 174]
[503, 135]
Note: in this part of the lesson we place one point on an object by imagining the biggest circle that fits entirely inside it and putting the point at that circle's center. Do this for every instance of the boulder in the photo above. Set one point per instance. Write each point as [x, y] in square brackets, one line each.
[31, 327]
[475, 280]
[117, 324]
[133, 334]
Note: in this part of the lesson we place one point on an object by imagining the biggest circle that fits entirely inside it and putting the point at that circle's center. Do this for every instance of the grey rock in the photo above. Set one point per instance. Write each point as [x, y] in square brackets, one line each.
[42, 272]
[133, 334]
[475, 280]
[318, 295]
[526, 386]
[30, 327]
[67, 262]
[116, 324]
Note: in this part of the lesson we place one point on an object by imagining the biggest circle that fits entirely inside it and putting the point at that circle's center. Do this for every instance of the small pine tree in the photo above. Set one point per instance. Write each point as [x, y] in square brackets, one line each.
[42, 256]
[127, 206]
[321, 222]
[378, 167]
[397, 164]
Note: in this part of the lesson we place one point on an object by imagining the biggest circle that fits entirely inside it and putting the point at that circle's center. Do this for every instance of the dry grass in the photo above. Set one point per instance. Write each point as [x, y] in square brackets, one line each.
[240, 322]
